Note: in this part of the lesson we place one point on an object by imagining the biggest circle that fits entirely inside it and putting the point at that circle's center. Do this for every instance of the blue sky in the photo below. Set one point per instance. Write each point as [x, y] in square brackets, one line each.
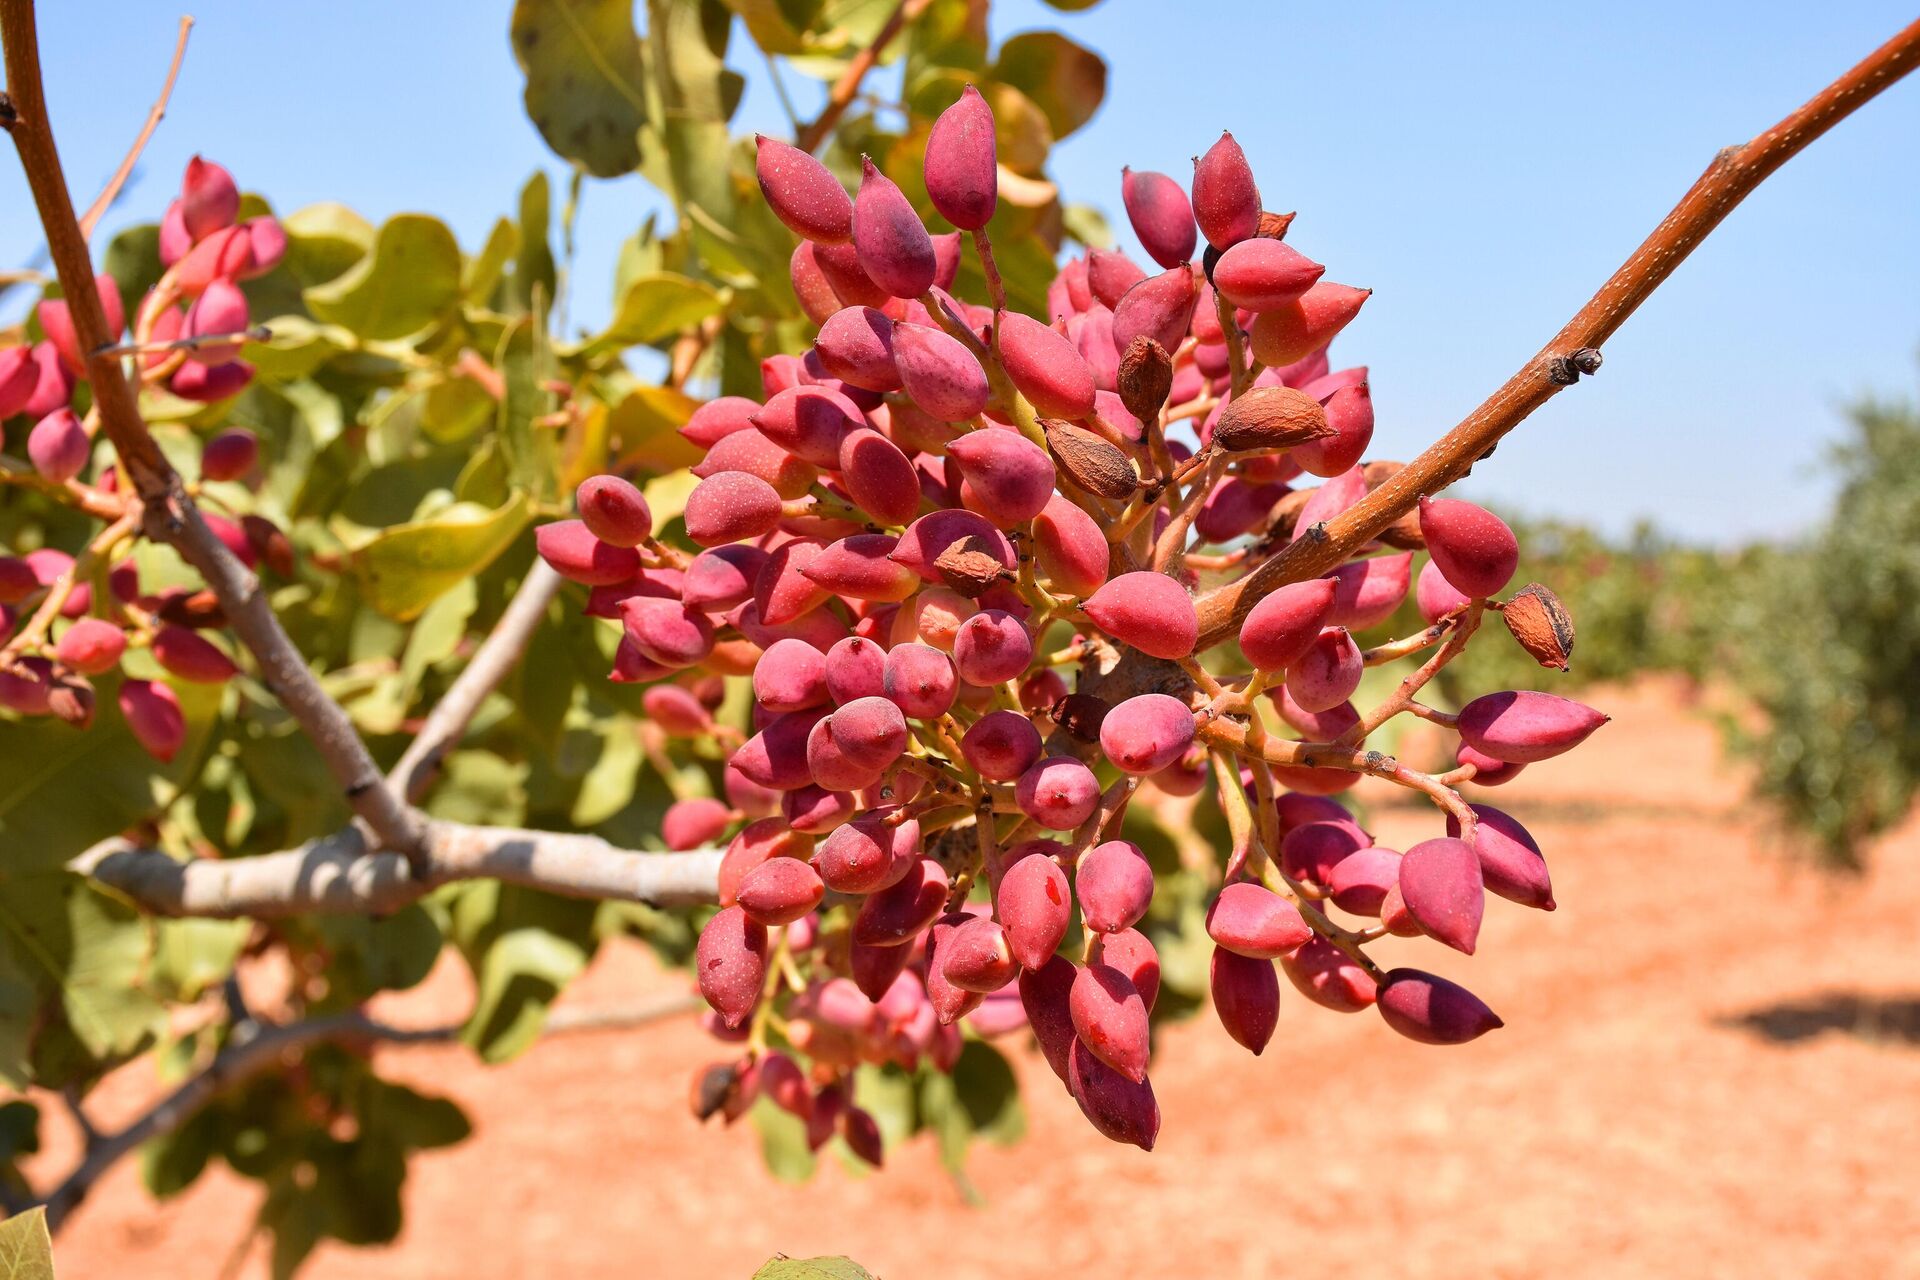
[1483, 167]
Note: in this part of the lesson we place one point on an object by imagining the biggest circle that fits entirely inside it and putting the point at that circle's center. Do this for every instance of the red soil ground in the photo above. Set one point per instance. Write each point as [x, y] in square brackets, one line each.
[1625, 1123]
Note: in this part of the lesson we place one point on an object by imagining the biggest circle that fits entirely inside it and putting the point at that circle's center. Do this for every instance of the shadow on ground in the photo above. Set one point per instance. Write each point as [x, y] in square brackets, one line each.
[1886, 1021]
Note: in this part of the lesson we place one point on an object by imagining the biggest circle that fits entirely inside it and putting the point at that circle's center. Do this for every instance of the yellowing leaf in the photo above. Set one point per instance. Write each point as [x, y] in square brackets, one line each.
[839, 1268]
[667, 495]
[26, 1250]
[404, 569]
[655, 307]
[645, 429]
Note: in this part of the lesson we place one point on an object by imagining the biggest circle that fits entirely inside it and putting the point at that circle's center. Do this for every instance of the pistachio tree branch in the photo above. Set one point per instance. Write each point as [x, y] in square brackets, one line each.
[267, 1046]
[847, 87]
[490, 664]
[170, 515]
[341, 875]
[1731, 176]
[111, 192]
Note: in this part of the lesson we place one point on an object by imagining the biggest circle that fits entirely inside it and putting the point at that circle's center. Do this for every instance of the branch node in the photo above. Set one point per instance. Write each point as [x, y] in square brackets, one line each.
[1561, 371]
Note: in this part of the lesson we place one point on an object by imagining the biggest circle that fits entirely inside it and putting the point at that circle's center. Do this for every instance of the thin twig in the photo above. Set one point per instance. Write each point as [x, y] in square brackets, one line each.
[490, 664]
[111, 192]
[1732, 175]
[847, 87]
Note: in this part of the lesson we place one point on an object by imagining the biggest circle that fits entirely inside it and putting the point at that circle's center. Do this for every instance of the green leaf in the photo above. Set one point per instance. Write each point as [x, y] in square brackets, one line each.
[406, 568]
[1088, 225]
[524, 947]
[409, 280]
[485, 270]
[780, 1267]
[26, 1250]
[656, 307]
[776, 25]
[687, 43]
[133, 259]
[482, 788]
[985, 1087]
[90, 949]
[455, 409]
[414, 1120]
[521, 973]
[887, 1093]
[608, 785]
[1068, 81]
[19, 1008]
[586, 80]
[65, 789]
[296, 348]
[783, 1142]
[173, 1161]
[324, 241]
[667, 495]
[384, 953]
[193, 956]
[437, 635]
[534, 264]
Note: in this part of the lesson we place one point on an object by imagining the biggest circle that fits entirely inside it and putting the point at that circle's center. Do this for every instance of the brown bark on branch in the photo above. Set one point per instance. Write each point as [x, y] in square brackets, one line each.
[1733, 173]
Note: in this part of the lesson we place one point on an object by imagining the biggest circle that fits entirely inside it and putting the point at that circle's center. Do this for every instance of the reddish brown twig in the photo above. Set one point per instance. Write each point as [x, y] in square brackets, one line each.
[847, 87]
[104, 201]
[1733, 173]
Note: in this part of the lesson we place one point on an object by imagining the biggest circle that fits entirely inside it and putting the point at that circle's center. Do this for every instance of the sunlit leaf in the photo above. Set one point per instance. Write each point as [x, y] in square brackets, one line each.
[324, 240]
[836, 1268]
[407, 282]
[644, 426]
[485, 269]
[26, 1250]
[656, 307]
[406, 568]
[585, 90]
[296, 348]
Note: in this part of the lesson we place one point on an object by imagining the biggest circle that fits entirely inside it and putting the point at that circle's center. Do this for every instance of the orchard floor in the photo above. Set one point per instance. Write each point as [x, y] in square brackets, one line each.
[1711, 1067]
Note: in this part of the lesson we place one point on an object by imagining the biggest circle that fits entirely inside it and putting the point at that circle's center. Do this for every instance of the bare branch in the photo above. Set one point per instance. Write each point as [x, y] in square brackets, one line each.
[1733, 174]
[339, 875]
[111, 192]
[170, 514]
[491, 662]
[248, 1055]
